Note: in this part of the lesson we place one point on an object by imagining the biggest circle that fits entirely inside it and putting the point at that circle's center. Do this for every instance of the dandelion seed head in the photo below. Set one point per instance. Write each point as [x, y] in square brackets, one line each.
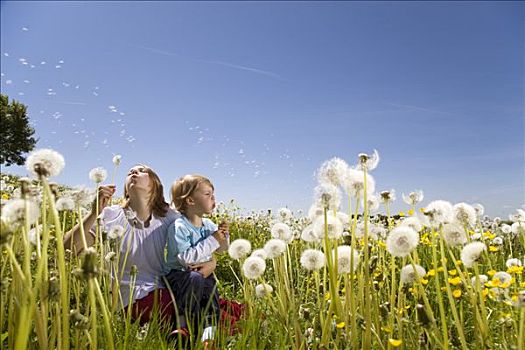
[65, 203]
[261, 253]
[110, 256]
[333, 224]
[518, 228]
[308, 234]
[518, 216]
[332, 171]
[115, 232]
[327, 196]
[354, 183]
[45, 162]
[275, 247]
[409, 275]
[412, 222]
[312, 259]
[401, 241]
[439, 212]
[347, 259]
[253, 267]
[368, 162]
[282, 231]
[471, 253]
[497, 241]
[465, 214]
[117, 159]
[314, 212]
[98, 174]
[14, 213]
[413, 197]
[502, 276]
[454, 234]
[513, 262]
[482, 280]
[239, 248]
[285, 214]
[506, 229]
[372, 202]
[388, 196]
[263, 289]
[480, 209]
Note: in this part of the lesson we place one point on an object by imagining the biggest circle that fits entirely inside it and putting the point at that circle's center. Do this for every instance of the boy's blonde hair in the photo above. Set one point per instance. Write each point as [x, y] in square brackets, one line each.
[184, 187]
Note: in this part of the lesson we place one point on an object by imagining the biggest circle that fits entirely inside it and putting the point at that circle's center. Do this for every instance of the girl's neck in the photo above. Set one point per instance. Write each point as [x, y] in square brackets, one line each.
[194, 218]
[140, 206]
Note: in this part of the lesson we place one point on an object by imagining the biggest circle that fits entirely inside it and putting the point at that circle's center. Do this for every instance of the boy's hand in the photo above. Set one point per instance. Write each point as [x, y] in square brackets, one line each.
[220, 236]
[205, 269]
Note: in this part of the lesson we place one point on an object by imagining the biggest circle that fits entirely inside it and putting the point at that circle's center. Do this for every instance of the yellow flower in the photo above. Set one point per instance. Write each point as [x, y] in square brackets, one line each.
[515, 269]
[422, 210]
[340, 325]
[493, 248]
[395, 342]
[440, 269]
[424, 281]
[327, 296]
[381, 244]
[459, 262]
[5, 196]
[401, 213]
[514, 298]
[431, 272]
[386, 329]
[493, 283]
[484, 292]
[410, 212]
[522, 284]
[453, 272]
[454, 281]
[489, 235]
[456, 293]
[491, 272]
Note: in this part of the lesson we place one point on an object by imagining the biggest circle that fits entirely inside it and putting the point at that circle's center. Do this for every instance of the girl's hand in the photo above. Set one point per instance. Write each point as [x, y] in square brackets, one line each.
[105, 192]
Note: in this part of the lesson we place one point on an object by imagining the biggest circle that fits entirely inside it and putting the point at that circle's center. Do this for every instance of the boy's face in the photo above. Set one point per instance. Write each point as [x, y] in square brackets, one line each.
[203, 199]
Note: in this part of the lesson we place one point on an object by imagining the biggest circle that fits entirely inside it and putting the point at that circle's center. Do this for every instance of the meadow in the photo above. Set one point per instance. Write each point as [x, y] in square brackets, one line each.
[442, 276]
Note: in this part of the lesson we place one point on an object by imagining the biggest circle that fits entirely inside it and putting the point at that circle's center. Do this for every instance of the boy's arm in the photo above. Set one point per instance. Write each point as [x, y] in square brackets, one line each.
[191, 255]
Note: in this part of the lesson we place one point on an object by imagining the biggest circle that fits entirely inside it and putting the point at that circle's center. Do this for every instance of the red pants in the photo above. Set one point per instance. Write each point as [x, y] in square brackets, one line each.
[142, 309]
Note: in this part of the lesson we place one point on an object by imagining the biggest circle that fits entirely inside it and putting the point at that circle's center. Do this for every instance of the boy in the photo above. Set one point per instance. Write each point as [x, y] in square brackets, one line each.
[192, 239]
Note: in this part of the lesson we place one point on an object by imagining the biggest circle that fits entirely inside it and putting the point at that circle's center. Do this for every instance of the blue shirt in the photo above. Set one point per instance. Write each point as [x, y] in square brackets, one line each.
[188, 244]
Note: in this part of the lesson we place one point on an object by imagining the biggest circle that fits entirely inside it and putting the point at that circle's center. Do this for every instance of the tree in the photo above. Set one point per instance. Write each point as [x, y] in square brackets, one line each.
[16, 135]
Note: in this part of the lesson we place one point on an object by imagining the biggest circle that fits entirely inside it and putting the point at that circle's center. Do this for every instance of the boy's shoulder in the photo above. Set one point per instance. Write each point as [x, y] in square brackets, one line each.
[209, 224]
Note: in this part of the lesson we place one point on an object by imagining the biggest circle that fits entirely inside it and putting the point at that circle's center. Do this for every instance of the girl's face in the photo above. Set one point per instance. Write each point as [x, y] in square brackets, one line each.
[203, 198]
[138, 179]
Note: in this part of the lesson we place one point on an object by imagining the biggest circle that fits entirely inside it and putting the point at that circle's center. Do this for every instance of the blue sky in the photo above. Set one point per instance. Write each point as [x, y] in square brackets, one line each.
[256, 95]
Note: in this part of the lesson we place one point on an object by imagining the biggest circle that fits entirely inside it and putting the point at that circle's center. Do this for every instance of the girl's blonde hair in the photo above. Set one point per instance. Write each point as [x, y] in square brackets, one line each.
[184, 187]
[157, 203]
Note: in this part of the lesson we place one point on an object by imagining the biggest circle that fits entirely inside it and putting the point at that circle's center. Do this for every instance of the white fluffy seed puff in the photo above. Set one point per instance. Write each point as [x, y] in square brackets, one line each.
[454, 234]
[275, 247]
[14, 213]
[333, 224]
[401, 241]
[98, 175]
[117, 159]
[439, 212]
[409, 275]
[327, 196]
[239, 248]
[472, 252]
[282, 231]
[263, 289]
[253, 267]
[45, 162]
[345, 258]
[465, 214]
[332, 171]
[312, 259]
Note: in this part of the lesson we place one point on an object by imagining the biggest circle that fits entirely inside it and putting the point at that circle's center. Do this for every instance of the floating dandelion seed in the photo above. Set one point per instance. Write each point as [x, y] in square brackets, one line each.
[239, 248]
[282, 231]
[409, 275]
[312, 259]
[45, 162]
[471, 253]
[401, 241]
[275, 247]
[98, 174]
[253, 267]
[262, 290]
